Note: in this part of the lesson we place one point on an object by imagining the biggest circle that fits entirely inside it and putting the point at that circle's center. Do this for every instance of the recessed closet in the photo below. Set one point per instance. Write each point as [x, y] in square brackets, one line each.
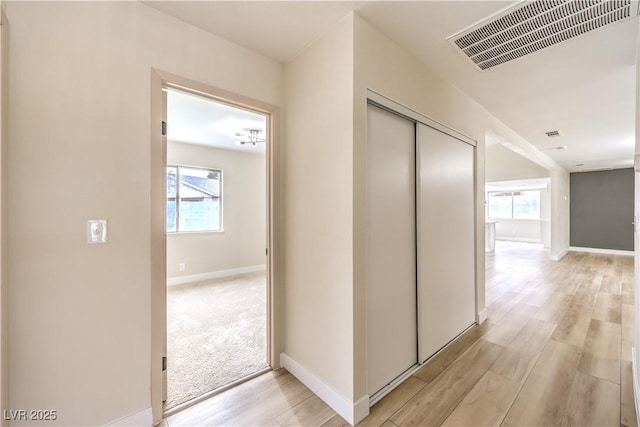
[420, 240]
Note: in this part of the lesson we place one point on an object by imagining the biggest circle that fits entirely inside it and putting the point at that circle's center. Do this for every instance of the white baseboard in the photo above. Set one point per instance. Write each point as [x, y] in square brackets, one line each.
[518, 239]
[635, 382]
[142, 418]
[193, 278]
[481, 316]
[361, 409]
[558, 257]
[601, 251]
[352, 412]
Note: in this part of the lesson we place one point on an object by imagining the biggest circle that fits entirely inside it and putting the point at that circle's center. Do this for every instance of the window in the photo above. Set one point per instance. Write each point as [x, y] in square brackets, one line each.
[514, 204]
[195, 204]
[500, 205]
[526, 205]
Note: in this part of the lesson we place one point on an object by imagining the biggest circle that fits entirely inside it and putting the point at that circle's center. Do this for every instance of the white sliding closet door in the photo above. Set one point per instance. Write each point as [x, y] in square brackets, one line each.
[446, 242]
[391, 248]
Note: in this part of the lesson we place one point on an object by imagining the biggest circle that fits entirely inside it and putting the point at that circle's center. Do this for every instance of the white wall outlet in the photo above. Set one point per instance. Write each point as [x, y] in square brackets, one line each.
[96, 231]
[181, 266]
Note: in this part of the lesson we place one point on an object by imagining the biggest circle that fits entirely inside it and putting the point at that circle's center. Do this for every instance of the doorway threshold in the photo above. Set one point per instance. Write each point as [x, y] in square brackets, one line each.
[181, 407]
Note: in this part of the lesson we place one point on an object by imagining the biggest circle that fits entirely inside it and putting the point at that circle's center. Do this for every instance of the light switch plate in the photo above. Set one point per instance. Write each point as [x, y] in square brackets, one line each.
[96, 231]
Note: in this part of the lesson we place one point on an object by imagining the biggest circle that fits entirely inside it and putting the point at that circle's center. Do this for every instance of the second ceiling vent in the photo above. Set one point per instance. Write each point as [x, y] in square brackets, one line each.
[534, 25]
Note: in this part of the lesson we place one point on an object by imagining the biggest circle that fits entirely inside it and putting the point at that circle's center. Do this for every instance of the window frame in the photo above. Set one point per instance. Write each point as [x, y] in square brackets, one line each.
[178, 166]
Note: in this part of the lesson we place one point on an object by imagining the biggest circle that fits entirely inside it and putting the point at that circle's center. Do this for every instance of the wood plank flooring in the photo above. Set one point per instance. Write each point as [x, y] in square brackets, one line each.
[555, 350]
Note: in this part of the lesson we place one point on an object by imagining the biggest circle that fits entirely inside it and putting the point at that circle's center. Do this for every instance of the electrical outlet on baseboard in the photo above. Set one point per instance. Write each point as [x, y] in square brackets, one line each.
[181, 266]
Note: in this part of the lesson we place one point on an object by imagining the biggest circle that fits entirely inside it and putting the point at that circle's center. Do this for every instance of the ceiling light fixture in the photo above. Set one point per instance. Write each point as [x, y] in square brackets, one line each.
[253, 138]
[559, 147]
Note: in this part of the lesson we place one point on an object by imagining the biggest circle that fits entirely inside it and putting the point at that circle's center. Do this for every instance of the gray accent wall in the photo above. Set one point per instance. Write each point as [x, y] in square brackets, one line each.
[602, 209]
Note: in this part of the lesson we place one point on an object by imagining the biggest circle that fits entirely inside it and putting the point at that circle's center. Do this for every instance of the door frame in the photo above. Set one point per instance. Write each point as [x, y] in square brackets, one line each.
[158, 237]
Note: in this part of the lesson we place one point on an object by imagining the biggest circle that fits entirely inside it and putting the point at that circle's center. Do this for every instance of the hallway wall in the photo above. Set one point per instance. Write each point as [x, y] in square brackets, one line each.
[79, 149]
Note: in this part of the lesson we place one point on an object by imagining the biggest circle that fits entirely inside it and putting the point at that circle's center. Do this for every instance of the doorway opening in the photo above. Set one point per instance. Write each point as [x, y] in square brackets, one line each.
[217, 296]
[518, 222]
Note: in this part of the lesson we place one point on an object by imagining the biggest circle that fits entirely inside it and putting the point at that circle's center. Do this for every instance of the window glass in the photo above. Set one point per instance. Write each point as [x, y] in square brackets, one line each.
[500, 205]
[196, 203]
[514, 204]
[172, 173]
[526, 205]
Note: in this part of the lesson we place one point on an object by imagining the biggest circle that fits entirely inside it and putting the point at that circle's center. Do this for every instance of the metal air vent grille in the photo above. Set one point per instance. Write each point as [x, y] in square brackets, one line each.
[531, 26]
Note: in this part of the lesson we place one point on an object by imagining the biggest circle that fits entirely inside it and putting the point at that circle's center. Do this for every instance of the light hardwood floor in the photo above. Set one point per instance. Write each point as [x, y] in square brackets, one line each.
[554, 350]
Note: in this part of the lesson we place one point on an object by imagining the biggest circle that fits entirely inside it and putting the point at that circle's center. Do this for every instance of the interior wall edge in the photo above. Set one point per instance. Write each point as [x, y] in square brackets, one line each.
[352, 411]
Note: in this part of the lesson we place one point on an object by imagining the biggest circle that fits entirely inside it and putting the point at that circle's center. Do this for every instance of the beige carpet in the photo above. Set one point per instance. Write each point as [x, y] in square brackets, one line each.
[216, 334]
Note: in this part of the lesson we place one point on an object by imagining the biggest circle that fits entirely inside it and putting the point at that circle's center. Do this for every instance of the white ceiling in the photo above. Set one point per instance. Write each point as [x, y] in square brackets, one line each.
[583, 87]
[196, 120]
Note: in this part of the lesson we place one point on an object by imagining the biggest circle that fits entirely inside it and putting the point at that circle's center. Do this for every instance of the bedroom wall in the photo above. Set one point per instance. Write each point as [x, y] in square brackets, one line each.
[79, 148]
[242, 243]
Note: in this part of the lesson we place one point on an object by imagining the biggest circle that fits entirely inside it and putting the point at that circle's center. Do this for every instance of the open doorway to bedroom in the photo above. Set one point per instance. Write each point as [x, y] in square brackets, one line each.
[216, 225]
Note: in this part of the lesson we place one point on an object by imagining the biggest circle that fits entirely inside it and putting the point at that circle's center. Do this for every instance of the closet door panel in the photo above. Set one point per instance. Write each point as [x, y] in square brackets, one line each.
[390, 244]
[446, 239]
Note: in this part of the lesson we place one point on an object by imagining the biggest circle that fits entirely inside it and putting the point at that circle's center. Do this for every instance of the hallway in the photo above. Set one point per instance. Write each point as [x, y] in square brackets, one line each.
[555, 349]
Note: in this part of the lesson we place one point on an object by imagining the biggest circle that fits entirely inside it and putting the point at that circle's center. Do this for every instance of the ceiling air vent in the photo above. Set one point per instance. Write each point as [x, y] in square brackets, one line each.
[534, 25]
[552, 133]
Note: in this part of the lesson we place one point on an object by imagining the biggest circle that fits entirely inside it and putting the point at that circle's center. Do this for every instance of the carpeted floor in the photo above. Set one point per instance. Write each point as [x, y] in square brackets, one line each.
[216, 333]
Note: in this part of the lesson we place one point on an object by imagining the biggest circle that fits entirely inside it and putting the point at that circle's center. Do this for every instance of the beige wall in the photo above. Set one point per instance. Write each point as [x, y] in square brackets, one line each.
[79, 148]
[318, 209]
[4, 273]
[503, 164]
[243, 241]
